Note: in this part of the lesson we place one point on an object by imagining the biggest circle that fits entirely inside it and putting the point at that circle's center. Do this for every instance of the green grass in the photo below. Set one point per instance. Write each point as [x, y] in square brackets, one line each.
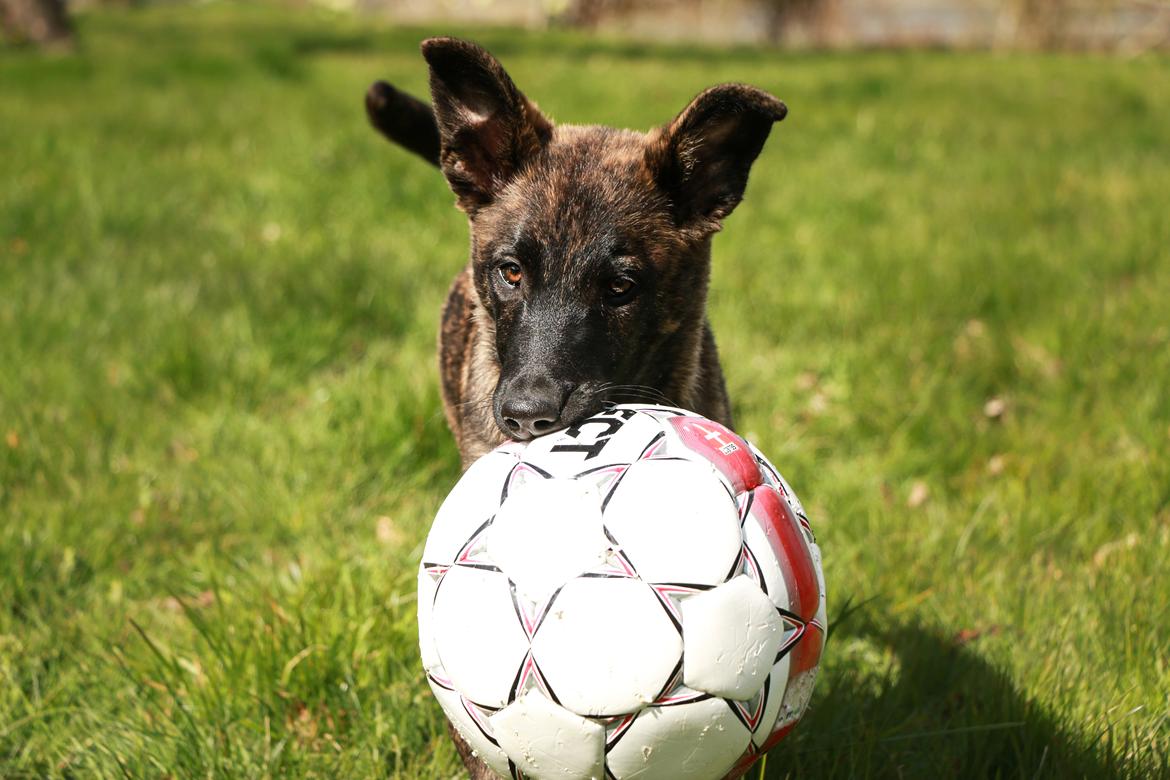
[221, 441]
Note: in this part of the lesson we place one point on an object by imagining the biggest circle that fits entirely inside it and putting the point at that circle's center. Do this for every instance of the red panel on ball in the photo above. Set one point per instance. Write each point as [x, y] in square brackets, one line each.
[807, 653]
[782, 528]
[726, 451]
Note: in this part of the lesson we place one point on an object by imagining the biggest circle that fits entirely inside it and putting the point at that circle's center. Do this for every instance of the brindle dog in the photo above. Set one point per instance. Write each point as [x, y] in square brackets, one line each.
[590, 250]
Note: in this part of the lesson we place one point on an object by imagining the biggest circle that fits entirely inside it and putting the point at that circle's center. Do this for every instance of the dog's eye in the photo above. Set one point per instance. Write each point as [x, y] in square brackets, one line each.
[511, 274]
[619, 289]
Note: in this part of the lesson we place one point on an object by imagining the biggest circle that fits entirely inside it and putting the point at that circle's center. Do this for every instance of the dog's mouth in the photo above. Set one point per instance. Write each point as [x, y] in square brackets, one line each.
[582, 401]
[585, 401]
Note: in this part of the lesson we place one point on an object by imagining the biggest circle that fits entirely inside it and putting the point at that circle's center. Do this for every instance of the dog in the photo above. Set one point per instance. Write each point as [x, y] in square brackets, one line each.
[590, 250]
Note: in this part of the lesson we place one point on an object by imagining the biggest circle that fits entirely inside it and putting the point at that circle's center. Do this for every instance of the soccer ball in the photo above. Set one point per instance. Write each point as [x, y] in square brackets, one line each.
[637, 596]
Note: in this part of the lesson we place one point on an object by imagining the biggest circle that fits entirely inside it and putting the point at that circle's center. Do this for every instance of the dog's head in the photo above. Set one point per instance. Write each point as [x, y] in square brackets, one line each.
[590, 246]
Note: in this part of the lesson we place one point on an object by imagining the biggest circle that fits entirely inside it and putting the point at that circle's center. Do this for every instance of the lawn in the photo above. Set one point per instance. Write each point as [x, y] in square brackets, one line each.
[944, 310]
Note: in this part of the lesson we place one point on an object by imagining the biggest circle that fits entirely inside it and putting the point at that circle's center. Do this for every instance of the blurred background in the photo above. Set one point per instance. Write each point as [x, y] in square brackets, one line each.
[943, 311]
[1102, 25]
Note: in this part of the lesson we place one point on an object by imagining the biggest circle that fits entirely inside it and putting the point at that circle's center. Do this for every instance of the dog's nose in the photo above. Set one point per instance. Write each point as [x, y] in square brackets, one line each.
[533, 410]
[530, 416]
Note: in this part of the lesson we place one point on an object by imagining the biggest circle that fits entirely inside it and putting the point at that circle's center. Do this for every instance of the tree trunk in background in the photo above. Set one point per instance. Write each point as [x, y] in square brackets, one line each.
[43, 22]
[588, 13]
[802, 22]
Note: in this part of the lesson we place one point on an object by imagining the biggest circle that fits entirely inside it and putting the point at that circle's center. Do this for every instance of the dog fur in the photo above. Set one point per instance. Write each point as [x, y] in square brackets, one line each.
[608, 233]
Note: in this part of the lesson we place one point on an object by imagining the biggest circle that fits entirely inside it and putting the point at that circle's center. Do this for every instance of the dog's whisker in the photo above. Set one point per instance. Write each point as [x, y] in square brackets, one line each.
[638, 393]
[477, 405]
[635, 396]
[635, 389]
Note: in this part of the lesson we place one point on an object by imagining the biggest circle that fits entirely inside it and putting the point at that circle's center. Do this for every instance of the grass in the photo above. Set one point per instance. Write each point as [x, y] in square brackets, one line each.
[944, 310]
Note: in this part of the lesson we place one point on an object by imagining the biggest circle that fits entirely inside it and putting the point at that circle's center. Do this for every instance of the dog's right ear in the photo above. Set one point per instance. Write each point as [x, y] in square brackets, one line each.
[487, 128]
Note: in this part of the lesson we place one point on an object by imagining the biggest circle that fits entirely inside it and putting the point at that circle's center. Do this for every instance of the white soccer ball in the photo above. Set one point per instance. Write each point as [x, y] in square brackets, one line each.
[637, 596]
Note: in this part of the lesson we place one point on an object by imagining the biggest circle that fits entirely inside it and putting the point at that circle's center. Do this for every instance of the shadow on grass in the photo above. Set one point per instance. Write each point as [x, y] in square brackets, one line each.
[910, 702]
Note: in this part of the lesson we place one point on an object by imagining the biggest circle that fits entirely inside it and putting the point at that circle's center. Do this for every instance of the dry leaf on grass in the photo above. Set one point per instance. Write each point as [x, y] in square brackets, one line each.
[919, 493]
[387, 531]
[1105, 551]
[971, 634]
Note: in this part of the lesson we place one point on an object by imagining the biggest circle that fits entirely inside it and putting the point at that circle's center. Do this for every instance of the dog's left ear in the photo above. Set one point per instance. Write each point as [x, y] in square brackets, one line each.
[405, 120]
[702, 158]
